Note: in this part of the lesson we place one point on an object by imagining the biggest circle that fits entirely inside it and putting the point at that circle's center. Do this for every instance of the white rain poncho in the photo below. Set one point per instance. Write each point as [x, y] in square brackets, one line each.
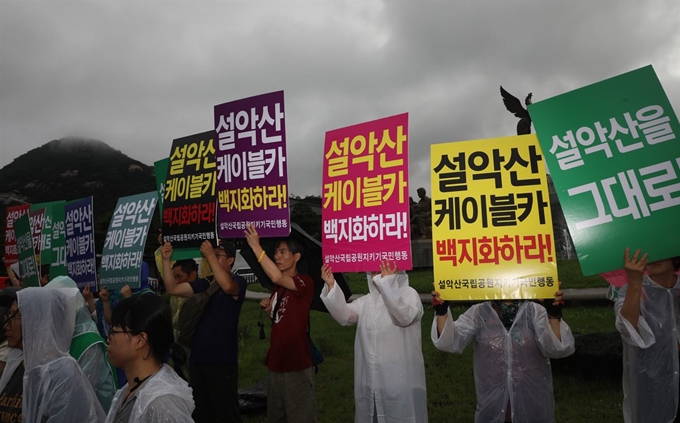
[93, 358]
[388, 359]
[164, 398]
[55, 387]
[650, 354]
[509, 365]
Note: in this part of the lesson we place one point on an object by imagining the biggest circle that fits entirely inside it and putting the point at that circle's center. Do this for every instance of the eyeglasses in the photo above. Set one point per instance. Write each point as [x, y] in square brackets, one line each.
[9, 319]
[113, 332]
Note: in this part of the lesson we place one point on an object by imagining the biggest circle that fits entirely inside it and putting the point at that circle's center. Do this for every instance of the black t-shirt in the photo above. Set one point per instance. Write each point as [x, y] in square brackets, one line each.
[216, 335]
[12, 396]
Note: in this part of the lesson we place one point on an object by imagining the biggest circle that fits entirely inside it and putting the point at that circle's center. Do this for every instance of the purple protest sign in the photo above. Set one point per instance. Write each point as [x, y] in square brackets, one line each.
[79, 229]
[252, 171]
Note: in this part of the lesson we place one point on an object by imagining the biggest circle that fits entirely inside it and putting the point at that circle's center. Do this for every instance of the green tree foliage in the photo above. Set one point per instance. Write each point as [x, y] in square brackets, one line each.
[303, 214]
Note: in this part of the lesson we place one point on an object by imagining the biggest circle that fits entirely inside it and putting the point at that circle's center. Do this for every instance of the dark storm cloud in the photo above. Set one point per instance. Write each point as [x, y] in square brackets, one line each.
[136, 75]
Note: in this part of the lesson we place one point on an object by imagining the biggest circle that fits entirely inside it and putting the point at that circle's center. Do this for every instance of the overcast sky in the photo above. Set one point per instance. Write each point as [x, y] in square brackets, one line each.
[137, 74]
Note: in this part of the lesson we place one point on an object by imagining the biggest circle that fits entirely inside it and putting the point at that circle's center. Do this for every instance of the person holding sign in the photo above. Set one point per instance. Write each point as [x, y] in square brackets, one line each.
[213, 361]
[513, 344]
[648, 318]
[290, 380]
[389, 372]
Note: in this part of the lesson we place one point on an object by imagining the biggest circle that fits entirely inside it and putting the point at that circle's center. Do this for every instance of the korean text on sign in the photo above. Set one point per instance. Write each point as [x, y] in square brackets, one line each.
[189, 191]
[11, 216]
[79, 229]
[252, 175]
[491, 218]
[365, 195]
[614, 155]
[125, 240]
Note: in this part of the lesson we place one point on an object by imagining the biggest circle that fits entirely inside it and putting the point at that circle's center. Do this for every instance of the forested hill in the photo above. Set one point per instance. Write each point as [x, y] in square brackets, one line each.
[70, 168]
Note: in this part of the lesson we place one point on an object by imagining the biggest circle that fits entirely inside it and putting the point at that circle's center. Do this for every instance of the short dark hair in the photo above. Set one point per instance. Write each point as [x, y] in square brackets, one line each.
[676, 263]
[228, 247]
[294, 246]
[150, 314]
[44, 270]
[188, 265]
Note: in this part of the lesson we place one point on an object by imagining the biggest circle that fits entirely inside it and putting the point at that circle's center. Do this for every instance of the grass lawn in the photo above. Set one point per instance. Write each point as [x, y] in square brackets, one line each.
[579, 397]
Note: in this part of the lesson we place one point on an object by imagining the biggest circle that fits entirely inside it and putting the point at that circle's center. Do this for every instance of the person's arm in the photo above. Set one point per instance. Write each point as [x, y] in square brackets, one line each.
[171, 285]
[267, 264]
[553, 335]
[441, 309]
[106, 305]
[266, 305]
[222, 277]
[13, 277]
[635, 271]
[450, 336]
[403, 305]
[89, 299]
[333, 298]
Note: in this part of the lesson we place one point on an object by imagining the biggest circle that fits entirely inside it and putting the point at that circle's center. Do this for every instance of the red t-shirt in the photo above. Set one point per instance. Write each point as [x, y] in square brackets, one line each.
[289, 349]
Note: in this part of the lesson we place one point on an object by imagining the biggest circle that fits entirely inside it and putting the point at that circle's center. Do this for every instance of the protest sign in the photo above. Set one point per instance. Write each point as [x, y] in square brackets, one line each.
[36, 219]
[492, 229]
[79, 231]
[28, 267]
[52, 239]
[614, 157]
[11, 216]
[125, 240]
[189, 199]
[365, 212]
[161, 171]
[252, 171]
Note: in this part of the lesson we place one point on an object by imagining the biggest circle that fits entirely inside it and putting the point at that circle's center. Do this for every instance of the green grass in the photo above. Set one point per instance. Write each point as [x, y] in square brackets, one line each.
[450, 382]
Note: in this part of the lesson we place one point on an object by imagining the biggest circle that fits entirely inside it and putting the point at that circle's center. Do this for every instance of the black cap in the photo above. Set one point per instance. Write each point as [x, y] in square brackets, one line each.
[228, 247]
[8, 296]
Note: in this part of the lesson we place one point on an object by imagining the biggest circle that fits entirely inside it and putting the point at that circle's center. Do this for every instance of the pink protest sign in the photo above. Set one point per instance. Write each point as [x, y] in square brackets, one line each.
[252, 171]
[365, 211]
[618, 278]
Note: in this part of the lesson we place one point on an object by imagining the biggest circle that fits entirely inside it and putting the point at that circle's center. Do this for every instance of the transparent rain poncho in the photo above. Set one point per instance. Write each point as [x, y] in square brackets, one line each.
[164, 398]
[389, 373]
[509, 365]
[55, 388]
[650, 354]
[91, 357]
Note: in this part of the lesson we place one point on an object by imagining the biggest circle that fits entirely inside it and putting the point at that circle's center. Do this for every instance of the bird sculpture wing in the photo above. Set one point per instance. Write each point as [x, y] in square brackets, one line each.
[513, 104]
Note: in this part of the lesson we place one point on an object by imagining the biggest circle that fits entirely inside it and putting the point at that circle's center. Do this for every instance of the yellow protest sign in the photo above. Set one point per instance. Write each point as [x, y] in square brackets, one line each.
[492, 234]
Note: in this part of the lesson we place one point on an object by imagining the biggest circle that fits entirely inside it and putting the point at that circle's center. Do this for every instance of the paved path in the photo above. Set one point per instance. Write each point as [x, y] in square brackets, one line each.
[582, 294]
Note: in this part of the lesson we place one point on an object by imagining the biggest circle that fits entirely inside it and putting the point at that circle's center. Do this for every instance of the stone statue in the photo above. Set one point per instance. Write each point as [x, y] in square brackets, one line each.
[421, 216]
[515, 107]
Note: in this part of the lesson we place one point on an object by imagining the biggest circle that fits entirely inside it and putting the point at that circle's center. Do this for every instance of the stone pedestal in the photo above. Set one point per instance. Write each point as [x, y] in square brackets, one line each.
[422, 252]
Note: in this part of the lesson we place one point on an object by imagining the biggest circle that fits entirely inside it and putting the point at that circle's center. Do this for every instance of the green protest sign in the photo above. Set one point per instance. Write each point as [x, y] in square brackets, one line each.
[124, 245]
[613, 153]
[28, 267]
[53, 239]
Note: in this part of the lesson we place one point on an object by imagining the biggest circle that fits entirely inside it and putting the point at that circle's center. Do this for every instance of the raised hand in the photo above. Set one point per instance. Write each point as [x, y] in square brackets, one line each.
[327, 275]
[635, 266]
[166, 251]
[387, 268]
